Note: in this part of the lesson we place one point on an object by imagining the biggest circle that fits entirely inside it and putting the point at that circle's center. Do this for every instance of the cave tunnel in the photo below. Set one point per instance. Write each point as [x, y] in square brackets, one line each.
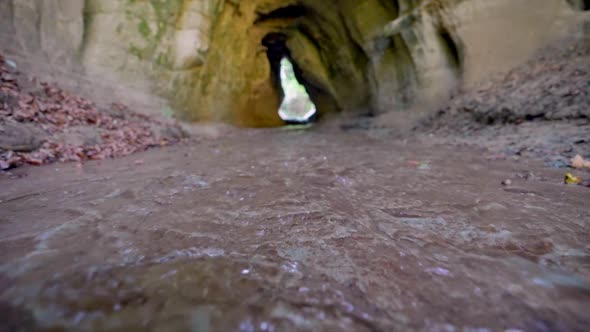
[277, 50]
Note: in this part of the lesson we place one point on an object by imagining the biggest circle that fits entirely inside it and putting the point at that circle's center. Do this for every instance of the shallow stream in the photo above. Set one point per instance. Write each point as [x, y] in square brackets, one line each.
[295, 231]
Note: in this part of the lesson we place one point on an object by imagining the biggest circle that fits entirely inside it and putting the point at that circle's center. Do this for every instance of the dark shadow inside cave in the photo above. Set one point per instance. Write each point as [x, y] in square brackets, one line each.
[454, 53]
[583, 5]
[288, 12]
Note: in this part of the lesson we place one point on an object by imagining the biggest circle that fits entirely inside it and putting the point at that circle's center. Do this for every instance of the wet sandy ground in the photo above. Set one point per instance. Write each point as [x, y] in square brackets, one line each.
[295, 231]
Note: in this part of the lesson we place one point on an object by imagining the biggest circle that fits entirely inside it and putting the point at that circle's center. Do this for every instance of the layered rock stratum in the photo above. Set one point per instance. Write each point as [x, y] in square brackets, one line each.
[218, 60]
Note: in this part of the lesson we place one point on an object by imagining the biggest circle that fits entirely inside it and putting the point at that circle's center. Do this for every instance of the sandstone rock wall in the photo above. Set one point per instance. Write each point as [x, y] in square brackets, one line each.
[217, 60]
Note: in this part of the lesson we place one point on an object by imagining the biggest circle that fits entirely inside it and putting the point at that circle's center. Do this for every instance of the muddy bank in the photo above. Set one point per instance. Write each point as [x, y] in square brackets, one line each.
[40, 124]
[538, 110]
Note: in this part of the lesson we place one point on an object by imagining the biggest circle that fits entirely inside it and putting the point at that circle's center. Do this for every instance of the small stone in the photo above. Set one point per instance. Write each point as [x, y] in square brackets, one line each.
[173, 133]
[81, 136]
[507, 182]
[557, 162]
[20, 137]
[10, 63]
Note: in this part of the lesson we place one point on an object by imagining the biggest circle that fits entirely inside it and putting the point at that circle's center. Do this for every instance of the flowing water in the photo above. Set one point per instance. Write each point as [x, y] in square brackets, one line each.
[294, 231]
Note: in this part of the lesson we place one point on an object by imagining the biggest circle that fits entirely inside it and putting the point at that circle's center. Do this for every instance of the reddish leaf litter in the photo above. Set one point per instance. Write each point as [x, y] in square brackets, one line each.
[53, 111]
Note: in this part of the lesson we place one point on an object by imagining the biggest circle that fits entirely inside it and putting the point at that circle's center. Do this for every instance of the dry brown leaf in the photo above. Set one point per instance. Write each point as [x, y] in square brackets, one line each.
[579, 162]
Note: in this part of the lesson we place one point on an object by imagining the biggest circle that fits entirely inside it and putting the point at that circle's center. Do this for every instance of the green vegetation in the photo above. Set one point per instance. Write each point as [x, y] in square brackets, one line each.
[166, 12]
[144, 29]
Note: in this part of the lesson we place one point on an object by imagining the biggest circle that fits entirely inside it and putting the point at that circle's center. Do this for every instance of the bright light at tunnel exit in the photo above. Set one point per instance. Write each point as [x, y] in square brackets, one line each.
[296, 105]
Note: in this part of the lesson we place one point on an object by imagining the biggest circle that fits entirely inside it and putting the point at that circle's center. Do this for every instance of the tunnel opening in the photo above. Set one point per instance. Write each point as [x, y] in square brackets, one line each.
[297, 106]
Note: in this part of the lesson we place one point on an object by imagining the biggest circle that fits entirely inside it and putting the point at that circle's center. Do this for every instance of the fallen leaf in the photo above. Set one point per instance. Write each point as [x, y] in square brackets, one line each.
[579, 162]
[571, 179]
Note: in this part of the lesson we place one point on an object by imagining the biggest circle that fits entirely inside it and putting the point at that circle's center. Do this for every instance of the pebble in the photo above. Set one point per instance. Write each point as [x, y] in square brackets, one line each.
[507, 182]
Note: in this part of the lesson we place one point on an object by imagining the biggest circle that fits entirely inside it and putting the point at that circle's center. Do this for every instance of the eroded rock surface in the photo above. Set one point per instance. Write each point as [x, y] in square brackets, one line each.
[218, 60]
[20, 137]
